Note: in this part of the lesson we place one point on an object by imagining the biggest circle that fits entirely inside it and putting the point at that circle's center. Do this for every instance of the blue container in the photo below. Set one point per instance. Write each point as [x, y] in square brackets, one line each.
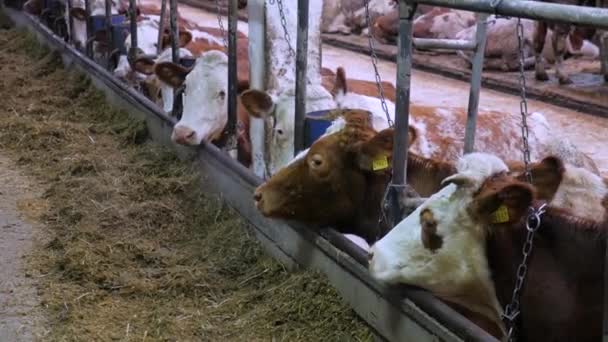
[119, 35]
[187, 62]
[98, 22]
[315, 125]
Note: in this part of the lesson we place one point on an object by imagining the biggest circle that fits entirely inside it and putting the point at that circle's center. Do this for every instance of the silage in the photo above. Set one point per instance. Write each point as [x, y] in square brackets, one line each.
[136, 252]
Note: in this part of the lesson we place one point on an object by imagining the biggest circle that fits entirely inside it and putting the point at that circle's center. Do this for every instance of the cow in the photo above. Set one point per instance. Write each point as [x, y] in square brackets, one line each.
[290, 188]
[558, 42]
[464, 245]
[502, 46]
[443, 23]
[346, 16]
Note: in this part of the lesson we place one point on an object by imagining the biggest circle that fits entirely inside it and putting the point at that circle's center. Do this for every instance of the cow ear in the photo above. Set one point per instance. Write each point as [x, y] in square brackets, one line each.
[185, 37]
[502, 200]
[340, 84]
[547, 175]
[257, 103]
[144, 65]
[78, 13]
[376, 153]
[172, 74]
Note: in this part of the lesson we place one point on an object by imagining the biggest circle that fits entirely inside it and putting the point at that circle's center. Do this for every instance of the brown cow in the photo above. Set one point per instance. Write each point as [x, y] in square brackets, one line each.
[464, 244]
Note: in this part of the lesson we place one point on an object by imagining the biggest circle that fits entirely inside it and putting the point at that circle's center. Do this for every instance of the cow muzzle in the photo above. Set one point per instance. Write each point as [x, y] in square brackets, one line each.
[183, 135]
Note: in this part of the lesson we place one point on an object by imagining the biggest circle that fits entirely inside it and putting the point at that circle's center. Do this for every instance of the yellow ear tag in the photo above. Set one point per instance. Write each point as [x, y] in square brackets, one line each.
[501, 215]
[380, 163]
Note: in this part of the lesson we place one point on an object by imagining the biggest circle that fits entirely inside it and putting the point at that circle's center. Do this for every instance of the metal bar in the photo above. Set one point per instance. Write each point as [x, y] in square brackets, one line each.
[257, 72]
[605, 322]
[301, 73]
[89, 44]
[402, 106]
[536, 10]
[471, 125]
[161, 26]
[133, 28]
[604, 55]
[109, 44]
[70, 22]
[446, 44]
[232, 76]
[174, 31]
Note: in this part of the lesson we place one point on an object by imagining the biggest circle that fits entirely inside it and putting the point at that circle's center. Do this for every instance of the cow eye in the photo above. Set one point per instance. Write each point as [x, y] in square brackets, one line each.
[221, 94]
[316, 161]
[279, 131]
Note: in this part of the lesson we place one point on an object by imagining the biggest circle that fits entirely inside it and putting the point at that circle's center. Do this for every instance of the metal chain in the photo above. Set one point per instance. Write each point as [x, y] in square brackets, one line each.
[221, 24]
[292, 52]
[533, 220]
[370, 40]
[523, 104]
[512, 310]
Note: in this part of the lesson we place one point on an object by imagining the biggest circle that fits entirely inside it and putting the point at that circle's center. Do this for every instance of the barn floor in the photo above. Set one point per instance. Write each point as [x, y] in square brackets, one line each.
[131, 250]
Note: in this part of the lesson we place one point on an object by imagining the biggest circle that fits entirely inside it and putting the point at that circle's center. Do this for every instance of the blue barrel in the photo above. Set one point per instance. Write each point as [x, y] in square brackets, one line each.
[98, 22]
[315, 125]
[187, 62]
[119, 35]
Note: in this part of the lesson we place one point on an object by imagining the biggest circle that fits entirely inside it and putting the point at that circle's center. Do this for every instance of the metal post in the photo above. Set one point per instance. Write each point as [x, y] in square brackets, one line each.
[605, 322]
[536, 10]
[133, 27]
[161, 26]
[70, 22]
[480, 38]
[257, 76]
[174, 31]
[109, 46]
[89, 43]
[402, 106]
[604, 54]
[230, 132]
[301, 74]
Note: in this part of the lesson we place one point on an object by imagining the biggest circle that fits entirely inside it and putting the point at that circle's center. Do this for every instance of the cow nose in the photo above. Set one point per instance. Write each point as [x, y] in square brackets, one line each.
[257, 196]
[182, 135]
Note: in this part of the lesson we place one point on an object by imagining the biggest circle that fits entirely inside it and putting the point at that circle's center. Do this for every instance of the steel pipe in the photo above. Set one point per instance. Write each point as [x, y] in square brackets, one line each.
[445, 44]
[471, 125]
[589, 16]
[402, 107]
[301, 74]
[257, 74]
[89, 45]
[133, 28]
[232, 76]
[161, 26]
[109, 44]
[174, 31]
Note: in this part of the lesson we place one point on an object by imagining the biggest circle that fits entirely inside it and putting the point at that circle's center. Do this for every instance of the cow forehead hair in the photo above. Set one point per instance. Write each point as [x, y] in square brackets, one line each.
[478, 166]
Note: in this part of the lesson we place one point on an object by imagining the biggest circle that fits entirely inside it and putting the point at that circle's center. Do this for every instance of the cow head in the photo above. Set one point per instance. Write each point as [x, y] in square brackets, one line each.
[332, 182]
[279, 109]
[441, 245]
[205, 97]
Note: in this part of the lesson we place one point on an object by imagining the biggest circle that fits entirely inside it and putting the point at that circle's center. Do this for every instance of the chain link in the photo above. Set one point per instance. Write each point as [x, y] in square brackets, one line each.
[523, 104]
[512, 310]
[292, 52]
[221, 24]
[370, 40]
[533, 220]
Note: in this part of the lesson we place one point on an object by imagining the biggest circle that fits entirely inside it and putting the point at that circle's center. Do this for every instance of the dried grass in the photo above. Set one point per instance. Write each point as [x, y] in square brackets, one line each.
[136, 252]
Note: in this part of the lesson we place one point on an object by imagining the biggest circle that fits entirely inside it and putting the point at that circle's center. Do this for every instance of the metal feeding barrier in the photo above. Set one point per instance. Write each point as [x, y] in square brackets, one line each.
[409, 313]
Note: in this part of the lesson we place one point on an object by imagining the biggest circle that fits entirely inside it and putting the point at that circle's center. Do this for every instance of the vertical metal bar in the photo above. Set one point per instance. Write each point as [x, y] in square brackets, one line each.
[604, 54]
[402, 106]
[70, 22]
[174, 31]
[232, 75]
[133, 28]
[161, 26]
[605, 323]
[89, 44]
[471, 125]
[109, 46]
[257, 77]
[301, 68]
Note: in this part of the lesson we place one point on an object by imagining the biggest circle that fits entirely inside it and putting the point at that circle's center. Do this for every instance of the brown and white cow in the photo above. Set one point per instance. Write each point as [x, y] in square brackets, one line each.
[561, 31]
[502, 46]
[464, 244]
[348, 16]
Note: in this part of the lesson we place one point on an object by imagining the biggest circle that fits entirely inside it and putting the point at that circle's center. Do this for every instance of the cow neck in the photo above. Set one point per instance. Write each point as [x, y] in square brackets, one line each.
[425, 174]
[568, 252]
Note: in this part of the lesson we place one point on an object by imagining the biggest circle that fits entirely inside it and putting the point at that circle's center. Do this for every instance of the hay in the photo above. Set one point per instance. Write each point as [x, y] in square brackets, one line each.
[136, 252]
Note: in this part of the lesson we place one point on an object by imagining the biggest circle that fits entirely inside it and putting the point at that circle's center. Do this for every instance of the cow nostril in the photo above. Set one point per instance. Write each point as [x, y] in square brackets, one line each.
[370, 256]
[257, 196]
[190, 135]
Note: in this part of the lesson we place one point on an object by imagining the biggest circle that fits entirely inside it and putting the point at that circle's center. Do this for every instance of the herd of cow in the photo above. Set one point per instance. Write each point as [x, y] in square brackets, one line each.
[464, 241]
